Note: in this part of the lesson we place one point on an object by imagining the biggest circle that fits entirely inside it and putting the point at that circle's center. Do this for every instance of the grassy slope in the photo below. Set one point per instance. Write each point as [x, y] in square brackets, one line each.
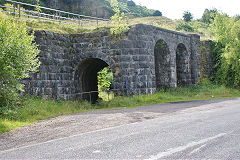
[200, 28]
[163, 22]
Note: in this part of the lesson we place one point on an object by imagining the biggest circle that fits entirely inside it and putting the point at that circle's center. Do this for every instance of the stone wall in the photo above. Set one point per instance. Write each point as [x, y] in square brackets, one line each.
[207, 66]
[70, 62]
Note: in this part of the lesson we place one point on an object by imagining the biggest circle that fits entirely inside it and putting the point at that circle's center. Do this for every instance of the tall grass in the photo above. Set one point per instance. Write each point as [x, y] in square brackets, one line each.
[33, 109]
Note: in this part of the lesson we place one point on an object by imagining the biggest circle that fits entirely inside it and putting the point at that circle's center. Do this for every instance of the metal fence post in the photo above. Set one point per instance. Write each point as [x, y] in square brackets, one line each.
[126, 86]
[59, 16]
[79, 22]
[14, 6]
[19, 8]
[90, 97]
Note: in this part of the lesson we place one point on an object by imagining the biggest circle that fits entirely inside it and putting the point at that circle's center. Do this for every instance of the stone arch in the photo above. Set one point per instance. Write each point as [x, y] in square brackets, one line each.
[162, 64]
[182, 65]
[86, 77]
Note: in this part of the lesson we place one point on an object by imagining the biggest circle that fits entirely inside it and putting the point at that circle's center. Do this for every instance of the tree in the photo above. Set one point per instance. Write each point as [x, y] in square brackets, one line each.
[227, 31]
[208, 15]
[187, 16]
[131, 4]
[157, 13]
[117, 19]
[18, 57]
[237, 17]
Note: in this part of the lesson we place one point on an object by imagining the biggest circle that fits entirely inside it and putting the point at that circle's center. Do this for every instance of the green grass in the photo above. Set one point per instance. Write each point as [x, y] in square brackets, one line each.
[36, 109]
[159, 21]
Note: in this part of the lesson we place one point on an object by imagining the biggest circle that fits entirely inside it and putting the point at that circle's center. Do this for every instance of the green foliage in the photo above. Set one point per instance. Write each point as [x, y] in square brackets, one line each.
[187, 16]
[131, 4]
[208, 15]
[185, 27]
[35, 109]
[118, 20]
[157, 13]
[237, 17]
[18, 57]
[38, 9]
[227, 33]
[105, 79]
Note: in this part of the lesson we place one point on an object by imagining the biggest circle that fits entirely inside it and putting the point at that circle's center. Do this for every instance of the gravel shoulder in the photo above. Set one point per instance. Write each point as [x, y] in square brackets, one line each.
[69, 125]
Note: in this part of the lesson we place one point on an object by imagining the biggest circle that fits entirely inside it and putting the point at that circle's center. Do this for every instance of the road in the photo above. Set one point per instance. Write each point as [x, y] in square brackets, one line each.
[209, 131]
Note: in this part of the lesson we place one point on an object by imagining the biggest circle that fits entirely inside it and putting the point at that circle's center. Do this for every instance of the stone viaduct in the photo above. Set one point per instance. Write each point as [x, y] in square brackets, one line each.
[147, 57]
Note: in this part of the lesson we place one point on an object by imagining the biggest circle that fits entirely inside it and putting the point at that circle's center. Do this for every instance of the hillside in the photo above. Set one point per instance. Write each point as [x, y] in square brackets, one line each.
[96, 8]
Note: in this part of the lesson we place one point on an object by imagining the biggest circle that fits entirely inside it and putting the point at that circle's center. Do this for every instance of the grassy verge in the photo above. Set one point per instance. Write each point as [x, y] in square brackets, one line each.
[35, 109]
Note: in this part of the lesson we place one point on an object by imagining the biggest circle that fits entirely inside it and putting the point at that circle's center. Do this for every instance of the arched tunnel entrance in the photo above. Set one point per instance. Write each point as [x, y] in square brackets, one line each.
[86, 78]
[182, 65]
[162, 64]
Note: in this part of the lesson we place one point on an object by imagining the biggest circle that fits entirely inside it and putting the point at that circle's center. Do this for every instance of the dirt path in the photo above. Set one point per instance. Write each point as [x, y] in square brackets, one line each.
[64, 126]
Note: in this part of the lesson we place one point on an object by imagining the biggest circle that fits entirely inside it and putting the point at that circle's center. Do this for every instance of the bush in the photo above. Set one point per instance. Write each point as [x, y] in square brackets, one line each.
[18, 57]
[185, 27]
[157, 13]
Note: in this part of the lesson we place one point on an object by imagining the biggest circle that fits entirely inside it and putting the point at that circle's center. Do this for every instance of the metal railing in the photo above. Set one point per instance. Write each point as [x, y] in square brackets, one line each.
[91, 94]
[50, 14]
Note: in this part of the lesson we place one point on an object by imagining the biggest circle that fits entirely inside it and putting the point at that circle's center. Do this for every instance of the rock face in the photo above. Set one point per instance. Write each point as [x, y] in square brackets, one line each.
[96, 8]
[145, 59]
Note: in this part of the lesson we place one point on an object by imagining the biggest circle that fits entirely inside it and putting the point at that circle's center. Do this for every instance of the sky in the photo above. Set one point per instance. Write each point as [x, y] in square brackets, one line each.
[174, 8]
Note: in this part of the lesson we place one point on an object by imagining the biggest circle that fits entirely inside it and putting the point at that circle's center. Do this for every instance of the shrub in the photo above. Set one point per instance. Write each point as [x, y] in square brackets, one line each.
[185, 27]
[18, 57]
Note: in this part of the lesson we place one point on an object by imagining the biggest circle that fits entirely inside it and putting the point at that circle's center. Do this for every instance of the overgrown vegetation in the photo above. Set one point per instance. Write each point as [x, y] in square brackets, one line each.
[185, 27]
[227, 49]
[118, 20]
[32, 109]
[105, 81]
[18, 57]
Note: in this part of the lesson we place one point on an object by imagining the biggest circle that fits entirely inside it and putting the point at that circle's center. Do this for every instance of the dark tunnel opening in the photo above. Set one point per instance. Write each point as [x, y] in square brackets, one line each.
[86, 76]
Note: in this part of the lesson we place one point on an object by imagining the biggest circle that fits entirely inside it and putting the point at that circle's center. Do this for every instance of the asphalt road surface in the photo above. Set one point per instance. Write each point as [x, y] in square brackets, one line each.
[210, 131]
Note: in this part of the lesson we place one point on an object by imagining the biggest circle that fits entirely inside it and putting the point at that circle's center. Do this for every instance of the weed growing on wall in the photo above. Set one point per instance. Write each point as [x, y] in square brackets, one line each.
[118, 19]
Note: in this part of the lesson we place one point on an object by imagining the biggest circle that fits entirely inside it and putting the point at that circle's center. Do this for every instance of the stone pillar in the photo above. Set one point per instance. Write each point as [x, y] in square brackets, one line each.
[207, 65]
[195, 58]
[173, 76]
